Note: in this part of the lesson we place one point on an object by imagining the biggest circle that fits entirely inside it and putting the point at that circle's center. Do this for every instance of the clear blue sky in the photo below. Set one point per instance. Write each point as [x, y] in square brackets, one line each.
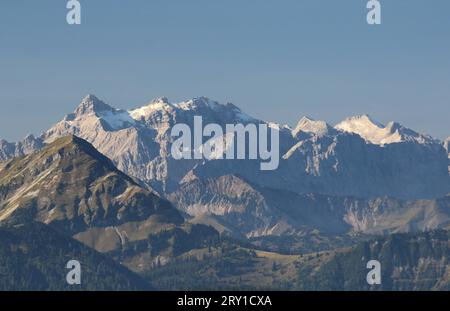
[277, 60]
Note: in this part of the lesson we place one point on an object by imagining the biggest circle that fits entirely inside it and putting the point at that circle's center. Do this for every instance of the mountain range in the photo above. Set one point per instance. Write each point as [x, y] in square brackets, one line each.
[359, 157]
[105, 177]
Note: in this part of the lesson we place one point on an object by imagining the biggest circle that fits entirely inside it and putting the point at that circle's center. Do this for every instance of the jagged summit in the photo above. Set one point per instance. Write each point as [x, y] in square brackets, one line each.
[161, 99]
[91, 104]
[377, 133]
[4, 141]
[163, 104]
[369, 129]
[188, 108]
[28, 138]
[361, 123]
[144, 112]
[92, 111]
[314, 157]
[311, 126]
[198, 102]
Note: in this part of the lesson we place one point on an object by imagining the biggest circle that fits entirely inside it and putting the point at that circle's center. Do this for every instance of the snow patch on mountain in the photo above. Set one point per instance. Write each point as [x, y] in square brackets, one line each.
[158, 108]
[117, 119]
[94, 110]
[159, 104]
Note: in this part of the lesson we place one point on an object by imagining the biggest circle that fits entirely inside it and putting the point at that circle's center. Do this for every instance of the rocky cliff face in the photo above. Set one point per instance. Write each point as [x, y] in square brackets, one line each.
[345, 165]
[27, 145]
[359, 157]
[239, 207]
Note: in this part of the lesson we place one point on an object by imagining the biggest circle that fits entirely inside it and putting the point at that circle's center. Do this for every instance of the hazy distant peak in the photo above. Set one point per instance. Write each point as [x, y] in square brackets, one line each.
[198, 102]
[29, 136]
[29, 139]
[161, 100]
[3, 141]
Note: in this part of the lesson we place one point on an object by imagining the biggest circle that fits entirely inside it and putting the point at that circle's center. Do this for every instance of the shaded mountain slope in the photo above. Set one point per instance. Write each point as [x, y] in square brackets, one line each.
[34, 257]
[408, 262]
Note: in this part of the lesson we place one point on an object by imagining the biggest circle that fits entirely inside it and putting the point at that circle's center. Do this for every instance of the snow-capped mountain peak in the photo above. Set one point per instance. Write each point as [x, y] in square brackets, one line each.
[359, 124]
[91, 104]
[144, 112]
[204, 105]
[311, 126]
[335, 163]
[93, 108]
[161, 109]
[199, 102]
[379, 134]
[91, 116]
